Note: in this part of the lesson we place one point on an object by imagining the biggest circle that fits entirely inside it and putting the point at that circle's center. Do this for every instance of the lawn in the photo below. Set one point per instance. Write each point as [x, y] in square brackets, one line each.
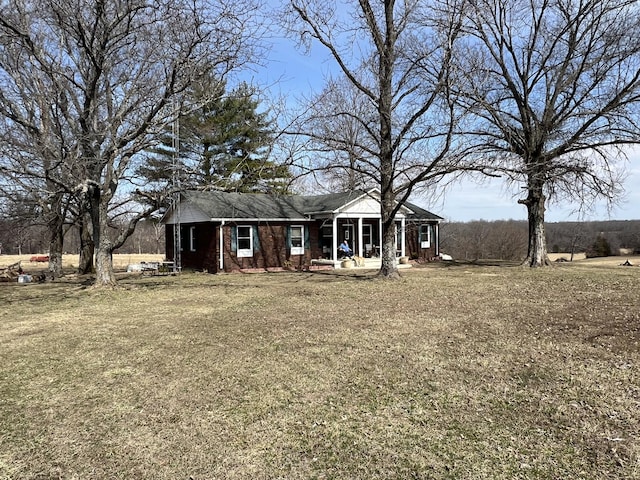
[460, 372]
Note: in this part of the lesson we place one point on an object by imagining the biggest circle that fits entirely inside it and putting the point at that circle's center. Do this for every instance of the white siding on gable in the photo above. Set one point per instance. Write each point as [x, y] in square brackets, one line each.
[188, 214]
[366, 205]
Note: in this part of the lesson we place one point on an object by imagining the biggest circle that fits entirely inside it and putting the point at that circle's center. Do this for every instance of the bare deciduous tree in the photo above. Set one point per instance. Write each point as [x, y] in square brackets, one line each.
[555, 88]
[395, 59]
[340, 161]
[90, 85]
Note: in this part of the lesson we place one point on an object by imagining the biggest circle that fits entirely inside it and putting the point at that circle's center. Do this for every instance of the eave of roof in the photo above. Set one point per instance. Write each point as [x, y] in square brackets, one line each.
[261, 219]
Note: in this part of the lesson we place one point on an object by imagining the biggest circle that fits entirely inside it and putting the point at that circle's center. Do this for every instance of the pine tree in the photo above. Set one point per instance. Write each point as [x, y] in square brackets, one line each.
[235, 141]
[600, 247]
[224, 144]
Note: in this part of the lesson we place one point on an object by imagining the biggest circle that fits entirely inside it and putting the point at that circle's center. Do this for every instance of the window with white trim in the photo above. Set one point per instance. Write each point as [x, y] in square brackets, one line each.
[192, 239]
[425, 235]
[297, 240]
[245, 241]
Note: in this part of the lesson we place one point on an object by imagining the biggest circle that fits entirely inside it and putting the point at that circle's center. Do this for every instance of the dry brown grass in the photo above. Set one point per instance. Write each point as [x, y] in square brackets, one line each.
[576, 256]
[69, 262]
[452, 372]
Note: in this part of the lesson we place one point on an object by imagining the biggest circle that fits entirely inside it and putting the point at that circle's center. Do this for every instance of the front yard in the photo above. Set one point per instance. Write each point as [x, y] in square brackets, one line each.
[452, 372]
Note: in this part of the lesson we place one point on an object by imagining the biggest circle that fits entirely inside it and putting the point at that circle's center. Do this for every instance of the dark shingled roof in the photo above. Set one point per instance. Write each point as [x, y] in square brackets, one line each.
[229, 205]
[217, 204]
[329, 202]
[420, 213]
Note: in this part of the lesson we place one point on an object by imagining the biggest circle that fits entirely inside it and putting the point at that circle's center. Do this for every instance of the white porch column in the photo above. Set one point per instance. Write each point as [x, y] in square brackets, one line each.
[221, 245]
[360, 249]
[334, 239]
[403, 234]
[380, 237]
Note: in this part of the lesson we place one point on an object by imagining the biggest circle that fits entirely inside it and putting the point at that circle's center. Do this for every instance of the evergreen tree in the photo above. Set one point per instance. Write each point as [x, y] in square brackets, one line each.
[224, 144]
[600, 247]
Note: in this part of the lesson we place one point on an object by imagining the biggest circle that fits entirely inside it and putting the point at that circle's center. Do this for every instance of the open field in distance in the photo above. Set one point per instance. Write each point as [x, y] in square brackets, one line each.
[576, 256]
[452, 372]
[69, 262]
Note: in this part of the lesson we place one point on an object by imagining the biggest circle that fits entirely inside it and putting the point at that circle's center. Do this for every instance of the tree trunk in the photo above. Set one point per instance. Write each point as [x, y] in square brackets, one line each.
[389, 266]
[105, 276]
[537, 249]
[85, 261]
[56, 235]
[55, 226]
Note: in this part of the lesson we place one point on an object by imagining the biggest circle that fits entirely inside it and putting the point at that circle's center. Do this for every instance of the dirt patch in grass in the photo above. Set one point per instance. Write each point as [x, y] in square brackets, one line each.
[466, 372]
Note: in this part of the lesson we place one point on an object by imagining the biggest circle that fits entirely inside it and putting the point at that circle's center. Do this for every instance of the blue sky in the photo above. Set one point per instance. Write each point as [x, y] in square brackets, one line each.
[490, 201]
[292, 73]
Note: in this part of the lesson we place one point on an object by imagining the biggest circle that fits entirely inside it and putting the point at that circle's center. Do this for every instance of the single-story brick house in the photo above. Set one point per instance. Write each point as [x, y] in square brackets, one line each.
[224, 232]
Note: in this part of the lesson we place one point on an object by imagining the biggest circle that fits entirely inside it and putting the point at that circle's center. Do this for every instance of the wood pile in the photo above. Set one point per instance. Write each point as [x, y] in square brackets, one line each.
[10, 273]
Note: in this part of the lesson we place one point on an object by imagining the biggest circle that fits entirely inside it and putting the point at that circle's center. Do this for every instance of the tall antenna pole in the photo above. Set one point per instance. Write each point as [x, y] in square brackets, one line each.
[176, 184]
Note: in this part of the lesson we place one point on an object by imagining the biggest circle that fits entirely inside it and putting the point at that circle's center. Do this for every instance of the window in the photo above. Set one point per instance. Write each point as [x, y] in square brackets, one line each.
[192, 239]
[326, 241]
[245, 241]
[187, 234]
[297, 240]
[425, 235]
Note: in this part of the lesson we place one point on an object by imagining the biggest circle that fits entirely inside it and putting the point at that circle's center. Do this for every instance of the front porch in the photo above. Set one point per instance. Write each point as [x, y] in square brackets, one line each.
[363, 233]
[365, 263]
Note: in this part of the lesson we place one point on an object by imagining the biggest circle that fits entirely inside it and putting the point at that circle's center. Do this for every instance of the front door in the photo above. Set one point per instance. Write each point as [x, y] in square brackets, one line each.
[348, 233]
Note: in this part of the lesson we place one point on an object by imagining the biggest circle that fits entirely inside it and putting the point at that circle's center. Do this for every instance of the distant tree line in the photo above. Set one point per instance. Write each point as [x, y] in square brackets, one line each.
[24, 236]
[507, 239]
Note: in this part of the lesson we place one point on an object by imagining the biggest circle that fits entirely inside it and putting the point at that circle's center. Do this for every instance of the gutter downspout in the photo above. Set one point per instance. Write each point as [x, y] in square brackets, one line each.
[221, 246]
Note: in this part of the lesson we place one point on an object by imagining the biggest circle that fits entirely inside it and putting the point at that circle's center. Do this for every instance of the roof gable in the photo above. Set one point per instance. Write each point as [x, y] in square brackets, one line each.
[189, 213]
[334, 202]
